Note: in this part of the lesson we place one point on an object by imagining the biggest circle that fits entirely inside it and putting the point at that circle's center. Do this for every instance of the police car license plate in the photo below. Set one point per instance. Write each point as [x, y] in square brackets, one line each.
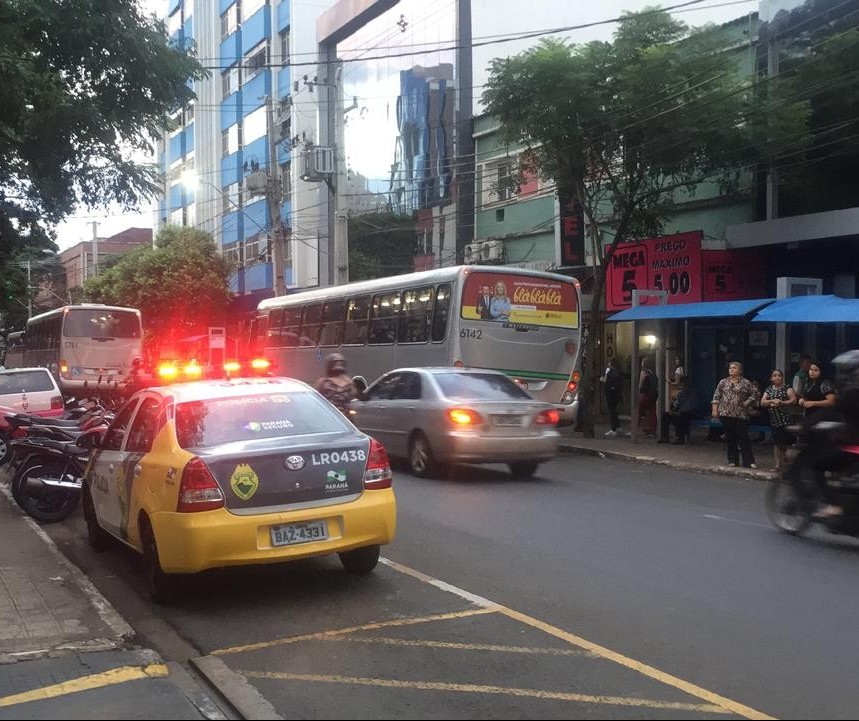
[293, 533]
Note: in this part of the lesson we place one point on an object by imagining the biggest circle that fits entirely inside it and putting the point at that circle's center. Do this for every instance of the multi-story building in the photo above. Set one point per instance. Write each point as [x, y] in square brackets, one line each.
[252, 114]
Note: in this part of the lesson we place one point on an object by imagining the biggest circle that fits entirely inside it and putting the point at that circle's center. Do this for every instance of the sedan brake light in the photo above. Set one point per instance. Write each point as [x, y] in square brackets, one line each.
[550, 417]
[464, 417]
[198, 489]
[378, 474]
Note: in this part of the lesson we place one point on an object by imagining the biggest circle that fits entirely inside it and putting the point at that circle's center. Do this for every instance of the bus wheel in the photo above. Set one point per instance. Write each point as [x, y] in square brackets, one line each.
[421, 459]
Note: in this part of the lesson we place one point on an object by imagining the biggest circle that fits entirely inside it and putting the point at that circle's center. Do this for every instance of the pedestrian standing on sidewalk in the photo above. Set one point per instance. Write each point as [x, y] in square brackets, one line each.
[777, 399]
[732, 400]
[613, 387]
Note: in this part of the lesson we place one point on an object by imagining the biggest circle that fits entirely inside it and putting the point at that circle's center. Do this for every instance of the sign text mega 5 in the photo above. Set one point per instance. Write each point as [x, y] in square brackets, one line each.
[678, 265]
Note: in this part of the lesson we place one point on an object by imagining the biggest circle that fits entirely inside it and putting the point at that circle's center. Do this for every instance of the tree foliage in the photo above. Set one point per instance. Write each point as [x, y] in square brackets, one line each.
[380, 244]
[86, 83]
[626, 128]
[180, 286]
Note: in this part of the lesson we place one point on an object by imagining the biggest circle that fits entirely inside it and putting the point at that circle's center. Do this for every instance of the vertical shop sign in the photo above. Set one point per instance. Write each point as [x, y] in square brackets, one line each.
[572, 235]
[627, 271]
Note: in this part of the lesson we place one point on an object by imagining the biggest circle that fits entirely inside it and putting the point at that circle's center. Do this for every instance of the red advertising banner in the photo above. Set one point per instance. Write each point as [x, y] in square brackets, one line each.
[733, 275]
[671, 263]
[520, 300]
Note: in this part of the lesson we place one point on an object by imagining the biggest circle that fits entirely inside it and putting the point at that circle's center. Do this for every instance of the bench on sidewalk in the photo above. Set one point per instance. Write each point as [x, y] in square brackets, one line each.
[709, 423]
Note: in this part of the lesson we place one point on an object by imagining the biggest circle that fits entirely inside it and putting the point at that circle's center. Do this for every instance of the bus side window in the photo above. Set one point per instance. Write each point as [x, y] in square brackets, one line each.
[442, 310]
[357, 318]
[290, 327]
[383, 320]
[332, 323]
[274, 330]
[311, 325]
[415, 315]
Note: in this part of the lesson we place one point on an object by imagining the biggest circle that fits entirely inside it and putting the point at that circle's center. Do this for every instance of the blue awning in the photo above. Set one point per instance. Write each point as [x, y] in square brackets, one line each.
[689, 311]
[811, 309]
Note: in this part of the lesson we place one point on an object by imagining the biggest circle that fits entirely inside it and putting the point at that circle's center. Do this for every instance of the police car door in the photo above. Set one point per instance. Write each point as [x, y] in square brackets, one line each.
[106, 477]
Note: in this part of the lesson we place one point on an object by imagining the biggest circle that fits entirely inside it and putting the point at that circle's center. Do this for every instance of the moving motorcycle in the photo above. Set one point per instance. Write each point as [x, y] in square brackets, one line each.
[828, 457]
[793, 499]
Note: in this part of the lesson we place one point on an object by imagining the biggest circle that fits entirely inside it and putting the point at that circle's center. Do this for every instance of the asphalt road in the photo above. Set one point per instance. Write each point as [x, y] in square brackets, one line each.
[599, 589]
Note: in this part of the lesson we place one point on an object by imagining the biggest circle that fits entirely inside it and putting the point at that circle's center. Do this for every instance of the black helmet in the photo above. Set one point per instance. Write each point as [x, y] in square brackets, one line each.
[335, 364]
[847, 371]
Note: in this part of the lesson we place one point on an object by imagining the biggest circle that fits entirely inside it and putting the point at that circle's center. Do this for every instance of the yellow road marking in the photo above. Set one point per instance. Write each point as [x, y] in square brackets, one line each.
[642, 668]
[87, 683]
[467, 646]
[352, 629]
[601, 651]
[502, 690]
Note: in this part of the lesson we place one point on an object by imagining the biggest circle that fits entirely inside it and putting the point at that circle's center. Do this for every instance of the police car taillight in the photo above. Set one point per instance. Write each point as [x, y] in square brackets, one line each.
[198, 489]
[378, 474]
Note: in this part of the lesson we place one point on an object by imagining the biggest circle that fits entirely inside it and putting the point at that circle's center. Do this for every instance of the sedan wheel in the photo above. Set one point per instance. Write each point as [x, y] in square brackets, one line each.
[420, 456]
[98, 538]
[360, 561]
[523, 469]
[163, 587]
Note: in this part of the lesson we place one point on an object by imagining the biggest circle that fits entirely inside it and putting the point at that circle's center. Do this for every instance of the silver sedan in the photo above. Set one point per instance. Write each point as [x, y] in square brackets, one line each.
[436, 416]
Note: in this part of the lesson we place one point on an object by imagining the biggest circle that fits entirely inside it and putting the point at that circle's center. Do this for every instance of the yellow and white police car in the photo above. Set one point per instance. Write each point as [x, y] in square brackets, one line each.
[230, 472]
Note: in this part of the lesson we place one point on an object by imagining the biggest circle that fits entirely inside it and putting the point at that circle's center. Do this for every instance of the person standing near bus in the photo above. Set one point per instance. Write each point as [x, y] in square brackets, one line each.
[336, 385]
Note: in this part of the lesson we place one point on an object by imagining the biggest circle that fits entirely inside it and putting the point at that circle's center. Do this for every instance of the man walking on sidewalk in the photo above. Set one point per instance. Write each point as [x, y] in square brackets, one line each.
[613, 391]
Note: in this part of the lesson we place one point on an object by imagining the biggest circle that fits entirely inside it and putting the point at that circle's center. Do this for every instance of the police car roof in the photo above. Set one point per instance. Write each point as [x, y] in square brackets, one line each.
[231, 388]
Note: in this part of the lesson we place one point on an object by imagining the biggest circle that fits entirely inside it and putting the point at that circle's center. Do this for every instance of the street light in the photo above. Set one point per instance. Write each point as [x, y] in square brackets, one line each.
[28, 264]
[191, 181]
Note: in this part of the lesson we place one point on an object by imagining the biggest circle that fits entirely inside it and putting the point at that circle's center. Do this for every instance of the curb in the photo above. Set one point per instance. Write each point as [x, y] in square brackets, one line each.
[748, 473]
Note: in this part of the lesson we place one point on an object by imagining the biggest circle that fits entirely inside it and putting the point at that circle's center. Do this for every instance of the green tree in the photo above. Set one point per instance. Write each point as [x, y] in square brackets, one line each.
[626, 128]
[85, 84]
[181, 286]
[381, 244]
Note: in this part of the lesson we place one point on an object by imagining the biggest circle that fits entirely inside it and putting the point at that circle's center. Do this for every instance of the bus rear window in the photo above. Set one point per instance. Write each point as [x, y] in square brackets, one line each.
[97, 323]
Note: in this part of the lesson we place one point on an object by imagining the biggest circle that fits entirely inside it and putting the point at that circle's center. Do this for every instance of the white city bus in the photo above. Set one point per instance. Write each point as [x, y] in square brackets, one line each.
[85, 346]
[524, 323]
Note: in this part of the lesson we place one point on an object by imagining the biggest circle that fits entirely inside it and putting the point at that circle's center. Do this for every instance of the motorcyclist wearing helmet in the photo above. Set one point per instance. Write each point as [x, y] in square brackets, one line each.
[336, 385]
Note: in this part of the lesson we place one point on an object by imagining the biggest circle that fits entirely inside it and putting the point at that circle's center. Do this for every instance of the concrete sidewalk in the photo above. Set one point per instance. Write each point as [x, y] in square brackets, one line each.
[697, 454]
[64, 651]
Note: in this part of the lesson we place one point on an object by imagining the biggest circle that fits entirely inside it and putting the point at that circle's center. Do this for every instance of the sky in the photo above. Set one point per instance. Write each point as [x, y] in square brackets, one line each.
[490, 18]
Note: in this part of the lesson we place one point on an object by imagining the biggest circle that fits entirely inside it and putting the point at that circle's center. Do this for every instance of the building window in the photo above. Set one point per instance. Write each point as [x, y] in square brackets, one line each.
[176, 216]
[230, 82]
[191, 215]
[231, 140]
[233, 254]
[254, 125]
[253, 252]
[255, 61]
[284, 47]
[249, 7]
[232, 197]
[286, 181]
[174, 22]
[230, 20]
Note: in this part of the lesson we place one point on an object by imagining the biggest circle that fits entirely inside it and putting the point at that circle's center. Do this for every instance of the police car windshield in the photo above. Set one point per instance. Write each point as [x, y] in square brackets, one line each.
[246, 418]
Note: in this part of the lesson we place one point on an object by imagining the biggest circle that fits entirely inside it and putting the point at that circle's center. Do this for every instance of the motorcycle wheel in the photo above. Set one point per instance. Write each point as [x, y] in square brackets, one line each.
[46, 505]
[786, 509]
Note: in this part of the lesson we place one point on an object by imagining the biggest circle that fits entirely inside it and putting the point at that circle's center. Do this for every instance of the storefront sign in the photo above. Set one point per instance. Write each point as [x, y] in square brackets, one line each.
[733, 275]
[572, 235]
[671, 263]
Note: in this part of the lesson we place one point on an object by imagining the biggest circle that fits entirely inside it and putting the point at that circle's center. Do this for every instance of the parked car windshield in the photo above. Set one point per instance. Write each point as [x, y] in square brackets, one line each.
[479, 387]
[29, 381]
[246, 418]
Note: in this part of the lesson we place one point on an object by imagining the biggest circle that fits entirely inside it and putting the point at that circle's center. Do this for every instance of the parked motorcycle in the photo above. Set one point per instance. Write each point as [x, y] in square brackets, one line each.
[48, 480]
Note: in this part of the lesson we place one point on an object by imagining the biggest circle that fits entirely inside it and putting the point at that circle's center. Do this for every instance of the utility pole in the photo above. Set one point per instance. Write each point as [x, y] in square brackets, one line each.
[273, 198]
[94, 249]
[341, 212]
[29, 291]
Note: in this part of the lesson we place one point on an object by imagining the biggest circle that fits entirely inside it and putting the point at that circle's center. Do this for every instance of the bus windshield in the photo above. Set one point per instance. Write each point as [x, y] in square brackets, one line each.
[520, 300]
[100, 323]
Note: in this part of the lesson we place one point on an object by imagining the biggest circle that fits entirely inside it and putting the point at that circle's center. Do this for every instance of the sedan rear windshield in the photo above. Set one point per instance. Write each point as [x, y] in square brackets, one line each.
[479, 387]
[29, 381]
[246, 418]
